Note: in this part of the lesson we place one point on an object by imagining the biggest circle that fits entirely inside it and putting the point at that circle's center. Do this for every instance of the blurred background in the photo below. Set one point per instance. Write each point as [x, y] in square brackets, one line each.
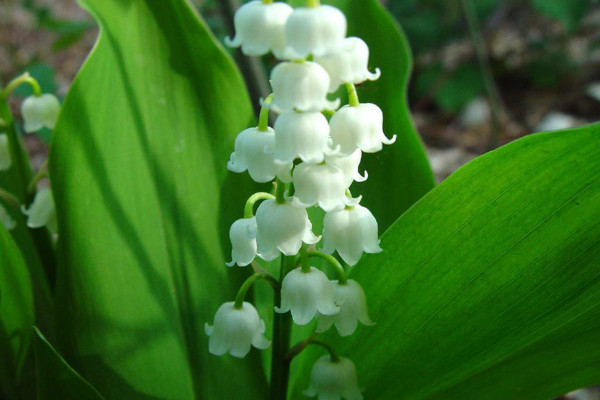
[486, 72]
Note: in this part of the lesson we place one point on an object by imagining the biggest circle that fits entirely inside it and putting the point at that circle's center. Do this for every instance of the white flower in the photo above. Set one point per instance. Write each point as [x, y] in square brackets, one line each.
[41, 111]
[260, 28]
[300, 86]
[321, 184]
[242, 235]
[282, 227]
[348, 64]
[303, 135]
[333, 380]
[353, 308]
[360, 127]
[315, 30]
[235, 330]
[305, 294]
[6, 160]
[250, 155]
[351, 232]
[41, 212]
[6, 220]
[349, 165]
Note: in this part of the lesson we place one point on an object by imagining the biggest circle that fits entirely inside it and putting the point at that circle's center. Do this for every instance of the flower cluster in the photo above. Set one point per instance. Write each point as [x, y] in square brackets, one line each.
[314, 161]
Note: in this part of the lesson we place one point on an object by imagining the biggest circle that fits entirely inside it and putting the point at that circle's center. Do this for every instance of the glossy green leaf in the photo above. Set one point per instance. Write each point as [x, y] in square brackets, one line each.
[55, 379]
[400, 174]
[489, 286]
[138, 162]
[16, 315]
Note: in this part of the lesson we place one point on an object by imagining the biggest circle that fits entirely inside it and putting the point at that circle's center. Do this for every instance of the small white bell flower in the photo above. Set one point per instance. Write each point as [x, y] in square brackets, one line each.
[305, 294]
[315, 30]
[360, 127]
[282, 228]
[351, 232]
[321, 184]
[334, 380]
[235, 330]
[300, 86]
[41, 212]
[348, 64]
[260, 28]
[303, 135]
[349, 165]
[40, 111]
[352, 301]
[5, 158]
[6, 220]
[249, 154]
[242, 235]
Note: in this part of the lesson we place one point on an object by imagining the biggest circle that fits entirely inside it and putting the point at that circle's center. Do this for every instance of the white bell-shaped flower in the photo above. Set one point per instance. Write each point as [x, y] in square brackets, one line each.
[41, 212]
[39, 112]
[260, 28]
[6, 220]
[249, 154]
[235, 330]
[242, 235]
[300, 86]
[303, 135]
[360, 127]
[282, 228]
[315, 30]
[5, 158]
[349, 165]
[351, 232]
[321, 184]
[348, 64]
[305, 294]
[333, 380]
[351, 299]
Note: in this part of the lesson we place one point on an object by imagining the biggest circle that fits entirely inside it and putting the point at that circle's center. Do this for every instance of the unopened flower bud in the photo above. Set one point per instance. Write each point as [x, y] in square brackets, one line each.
[250, 155]
[349, 165]
[321, 184]
[39, 112]
[260, 28]
[305, 294]
[41, 212]
[360, 127]
[315, 30]
[300, 86]
[243, 242]
[282, 228]
[348, 64]
[235, 330]
[333, 380]
[351, 232]
[303, 135]
[5, 158]
[351, 299]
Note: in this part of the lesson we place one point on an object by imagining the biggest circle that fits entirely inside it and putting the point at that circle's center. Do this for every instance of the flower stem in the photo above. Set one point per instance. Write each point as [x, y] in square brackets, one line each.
[41, 174]
[282, 325]
[279, 192]
[263, 118]
[241, 294]
[249, 207]
[18, 81]
[10, 198]
[339, 270]
[297, 349]
[352, 95]
[313, 3]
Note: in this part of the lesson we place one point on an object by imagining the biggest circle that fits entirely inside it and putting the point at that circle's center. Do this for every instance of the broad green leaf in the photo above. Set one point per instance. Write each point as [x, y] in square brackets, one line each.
[489, 286]
[400, 174]
[16, 315]
[138, 162]
[55, 379]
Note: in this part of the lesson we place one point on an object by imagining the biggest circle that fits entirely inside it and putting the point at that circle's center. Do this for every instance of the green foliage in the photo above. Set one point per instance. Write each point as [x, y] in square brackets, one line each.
[138, 166]
[55, 379]
[568, 12]
[490, 283]
[16, 316]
